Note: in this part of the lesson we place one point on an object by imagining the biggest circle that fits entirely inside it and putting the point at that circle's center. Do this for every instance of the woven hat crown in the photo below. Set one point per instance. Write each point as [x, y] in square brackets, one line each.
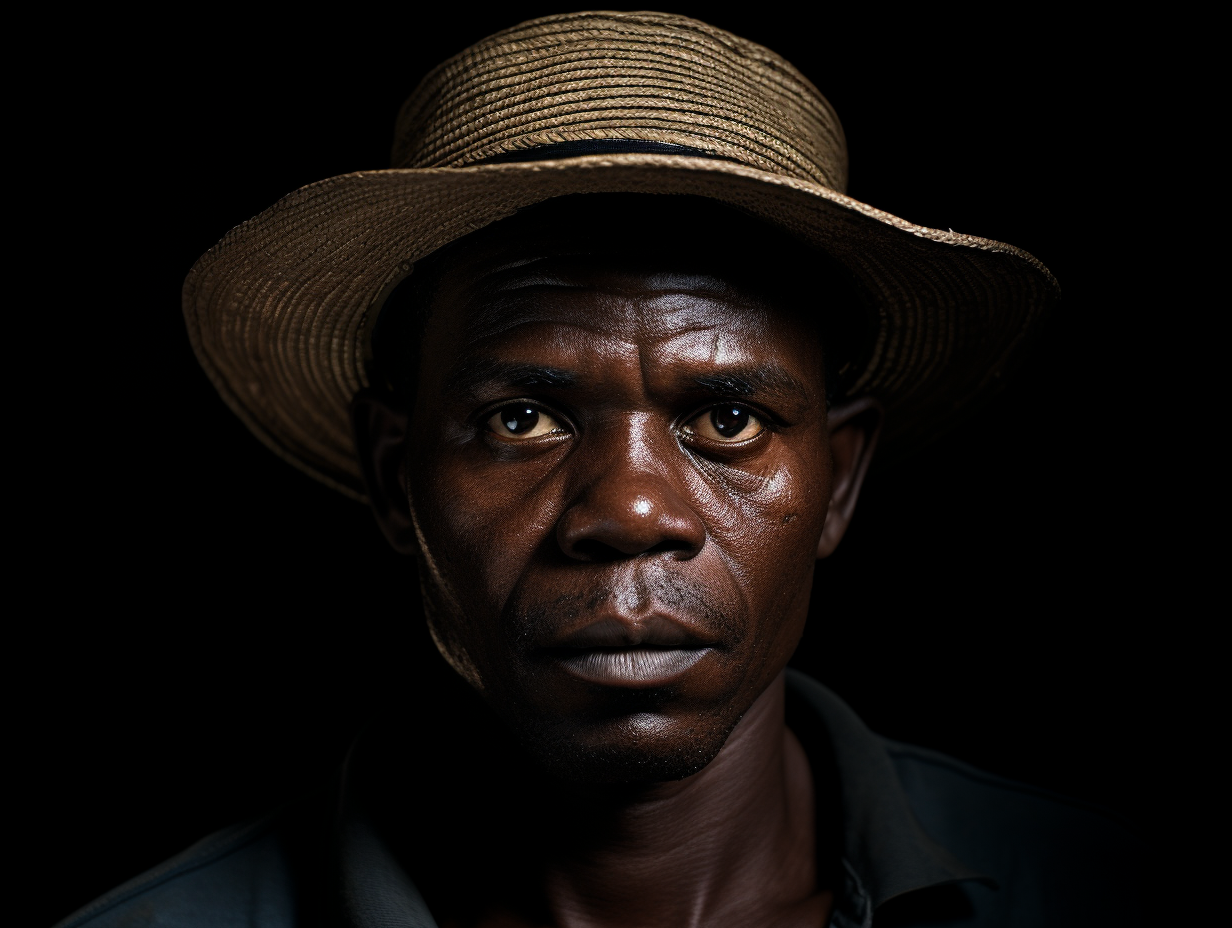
[650, 78]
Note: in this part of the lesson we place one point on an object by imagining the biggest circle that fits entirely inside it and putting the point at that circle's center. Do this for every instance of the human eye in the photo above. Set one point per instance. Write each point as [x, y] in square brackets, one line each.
[727, 423]
[520, 421]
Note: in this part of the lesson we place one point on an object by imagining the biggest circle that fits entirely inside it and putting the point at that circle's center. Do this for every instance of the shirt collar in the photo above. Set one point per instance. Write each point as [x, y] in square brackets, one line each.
[374, 890]
[885, 851]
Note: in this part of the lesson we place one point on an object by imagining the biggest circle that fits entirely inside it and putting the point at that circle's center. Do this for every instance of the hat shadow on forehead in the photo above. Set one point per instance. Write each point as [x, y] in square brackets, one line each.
[707, 246]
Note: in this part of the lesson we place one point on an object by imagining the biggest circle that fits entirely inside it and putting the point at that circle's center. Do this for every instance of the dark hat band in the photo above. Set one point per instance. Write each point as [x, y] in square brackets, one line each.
[580, 147]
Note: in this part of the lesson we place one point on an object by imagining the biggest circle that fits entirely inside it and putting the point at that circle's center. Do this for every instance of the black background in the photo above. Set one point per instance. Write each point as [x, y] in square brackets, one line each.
[204, 628]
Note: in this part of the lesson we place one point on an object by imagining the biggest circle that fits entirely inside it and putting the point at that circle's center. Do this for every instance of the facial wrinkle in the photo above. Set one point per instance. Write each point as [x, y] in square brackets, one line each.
[668, 314]
[716, 476]
[491, 321]
[635, 589]
[455, 655]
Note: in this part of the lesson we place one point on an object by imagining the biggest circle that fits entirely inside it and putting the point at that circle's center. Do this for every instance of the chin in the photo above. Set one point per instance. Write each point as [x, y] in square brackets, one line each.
[635, 749]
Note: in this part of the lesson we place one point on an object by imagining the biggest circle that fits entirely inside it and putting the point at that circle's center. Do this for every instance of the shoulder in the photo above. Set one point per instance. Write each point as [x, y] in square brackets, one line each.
[246, 875]
[1061, 860]
[977, 809]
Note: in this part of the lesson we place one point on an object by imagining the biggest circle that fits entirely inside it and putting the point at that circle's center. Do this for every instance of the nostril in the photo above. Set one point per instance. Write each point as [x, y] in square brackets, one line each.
[671, 545]
[591, 549]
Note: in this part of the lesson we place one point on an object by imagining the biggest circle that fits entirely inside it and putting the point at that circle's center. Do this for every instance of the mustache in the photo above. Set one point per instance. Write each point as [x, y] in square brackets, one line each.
[633, 593]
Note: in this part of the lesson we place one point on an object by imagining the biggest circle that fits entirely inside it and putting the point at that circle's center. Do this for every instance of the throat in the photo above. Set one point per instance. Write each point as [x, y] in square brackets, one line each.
[734, 844]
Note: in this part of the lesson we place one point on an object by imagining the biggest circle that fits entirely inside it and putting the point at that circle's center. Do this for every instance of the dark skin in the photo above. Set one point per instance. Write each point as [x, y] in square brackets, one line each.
[617, 478]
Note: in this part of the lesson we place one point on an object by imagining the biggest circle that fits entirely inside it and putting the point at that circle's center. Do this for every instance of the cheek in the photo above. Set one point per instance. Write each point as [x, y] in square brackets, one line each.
[765, 523]
[768, 518]
[482, 520]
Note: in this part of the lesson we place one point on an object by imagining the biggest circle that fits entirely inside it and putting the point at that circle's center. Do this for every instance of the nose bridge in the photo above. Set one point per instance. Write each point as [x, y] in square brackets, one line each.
[630, 499]
[628, 469]
[637, 447]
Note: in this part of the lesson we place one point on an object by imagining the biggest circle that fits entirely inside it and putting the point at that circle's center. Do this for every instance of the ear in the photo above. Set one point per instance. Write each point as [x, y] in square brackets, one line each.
[380, 428]
[854, 428]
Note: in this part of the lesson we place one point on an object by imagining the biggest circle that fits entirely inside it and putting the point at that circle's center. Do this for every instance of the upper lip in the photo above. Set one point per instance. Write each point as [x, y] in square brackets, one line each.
[656, 630]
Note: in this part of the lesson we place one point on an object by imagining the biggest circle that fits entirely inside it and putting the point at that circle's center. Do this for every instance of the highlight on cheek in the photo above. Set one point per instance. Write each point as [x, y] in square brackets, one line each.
[728, 423]
[520, 421]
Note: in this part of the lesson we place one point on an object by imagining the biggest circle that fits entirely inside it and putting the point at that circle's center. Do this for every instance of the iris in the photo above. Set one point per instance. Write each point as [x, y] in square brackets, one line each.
[519, 419]
[729, 421]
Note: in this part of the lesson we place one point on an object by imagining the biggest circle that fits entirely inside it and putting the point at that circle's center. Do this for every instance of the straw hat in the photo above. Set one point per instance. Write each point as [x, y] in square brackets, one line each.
[281, 310]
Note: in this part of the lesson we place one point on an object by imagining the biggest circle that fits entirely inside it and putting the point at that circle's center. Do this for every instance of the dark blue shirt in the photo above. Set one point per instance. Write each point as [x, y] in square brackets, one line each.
[924, 841]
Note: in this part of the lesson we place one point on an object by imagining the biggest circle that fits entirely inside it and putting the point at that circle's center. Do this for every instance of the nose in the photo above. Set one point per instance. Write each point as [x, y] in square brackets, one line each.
[632, 505]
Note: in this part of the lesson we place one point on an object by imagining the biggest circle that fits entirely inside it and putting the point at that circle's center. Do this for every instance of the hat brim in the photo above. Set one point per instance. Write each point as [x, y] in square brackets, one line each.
[280, 310]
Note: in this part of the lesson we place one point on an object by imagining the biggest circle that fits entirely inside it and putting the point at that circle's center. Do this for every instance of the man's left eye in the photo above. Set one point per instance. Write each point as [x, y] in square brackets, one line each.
[521, 420]
[727, 423]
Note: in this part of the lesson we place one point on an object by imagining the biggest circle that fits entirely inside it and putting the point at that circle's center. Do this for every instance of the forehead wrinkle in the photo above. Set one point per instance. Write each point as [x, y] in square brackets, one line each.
[659, 309]
[727, 363]
[674, 313]
[482, 364]
[503, 288]
[499, 330]
[524, 281]
[488, 318]
[660, 318]
[533, 359]
[582, 269]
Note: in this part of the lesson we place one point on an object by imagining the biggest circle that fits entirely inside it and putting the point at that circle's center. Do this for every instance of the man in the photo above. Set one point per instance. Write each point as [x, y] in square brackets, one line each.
[609, 353]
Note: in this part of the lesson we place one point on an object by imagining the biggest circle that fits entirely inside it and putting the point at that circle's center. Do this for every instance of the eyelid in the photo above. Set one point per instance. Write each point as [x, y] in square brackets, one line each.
[484, 417]
[766, 421]
[488, 409]
[766, 417]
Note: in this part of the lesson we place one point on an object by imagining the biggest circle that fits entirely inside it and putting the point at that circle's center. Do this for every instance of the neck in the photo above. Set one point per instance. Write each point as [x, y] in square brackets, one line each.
[731, 845]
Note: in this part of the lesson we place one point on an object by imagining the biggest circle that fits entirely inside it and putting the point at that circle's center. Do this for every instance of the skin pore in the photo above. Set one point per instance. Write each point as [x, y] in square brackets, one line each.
[617, 476]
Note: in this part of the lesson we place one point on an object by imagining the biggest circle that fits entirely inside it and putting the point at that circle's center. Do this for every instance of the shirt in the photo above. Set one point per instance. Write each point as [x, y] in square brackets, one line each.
[924, 840]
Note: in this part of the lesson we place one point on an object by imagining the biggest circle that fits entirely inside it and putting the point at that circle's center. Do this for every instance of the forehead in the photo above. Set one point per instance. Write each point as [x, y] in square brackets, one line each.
[602, 267]
[601, 295]
[557, 317]
[634, 273]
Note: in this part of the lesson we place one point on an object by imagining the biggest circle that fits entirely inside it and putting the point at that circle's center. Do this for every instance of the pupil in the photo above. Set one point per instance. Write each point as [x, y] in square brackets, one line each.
[729, 421]
[518, 419]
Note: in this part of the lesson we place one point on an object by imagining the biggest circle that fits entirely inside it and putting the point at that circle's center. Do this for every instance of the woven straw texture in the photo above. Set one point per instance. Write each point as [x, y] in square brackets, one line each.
[279, 311]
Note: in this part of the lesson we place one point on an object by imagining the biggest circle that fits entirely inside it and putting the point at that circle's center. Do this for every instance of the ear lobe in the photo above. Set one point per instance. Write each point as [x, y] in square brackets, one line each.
[854, 428]
[380, 428]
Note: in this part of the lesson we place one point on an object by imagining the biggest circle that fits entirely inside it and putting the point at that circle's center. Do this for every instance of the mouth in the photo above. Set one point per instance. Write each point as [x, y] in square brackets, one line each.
[616, 652]
[631, 666]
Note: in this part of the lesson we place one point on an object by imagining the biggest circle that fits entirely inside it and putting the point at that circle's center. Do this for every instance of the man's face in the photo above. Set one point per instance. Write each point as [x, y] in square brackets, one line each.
[619, 475]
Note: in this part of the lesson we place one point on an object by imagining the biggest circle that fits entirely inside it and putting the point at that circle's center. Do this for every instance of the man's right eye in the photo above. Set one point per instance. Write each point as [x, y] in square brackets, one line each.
[521, 420]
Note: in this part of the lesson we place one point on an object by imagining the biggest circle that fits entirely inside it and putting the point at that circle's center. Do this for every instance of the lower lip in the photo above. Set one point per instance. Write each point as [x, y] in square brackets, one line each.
[632, 666]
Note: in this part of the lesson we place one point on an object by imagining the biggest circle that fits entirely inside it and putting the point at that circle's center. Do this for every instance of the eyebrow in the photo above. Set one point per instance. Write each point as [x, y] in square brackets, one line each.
[470, 374]
[751, 381]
